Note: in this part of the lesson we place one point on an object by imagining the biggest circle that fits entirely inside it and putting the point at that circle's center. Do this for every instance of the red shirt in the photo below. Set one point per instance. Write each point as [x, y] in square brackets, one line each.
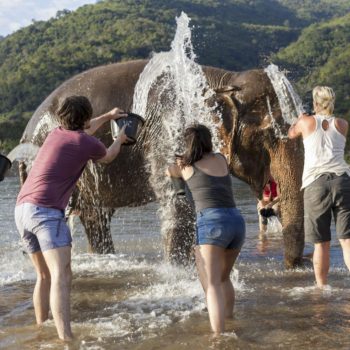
[58, 166]
[270, 190]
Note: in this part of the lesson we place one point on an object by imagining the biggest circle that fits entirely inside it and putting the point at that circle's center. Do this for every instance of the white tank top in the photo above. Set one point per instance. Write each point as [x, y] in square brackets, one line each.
[324, 152]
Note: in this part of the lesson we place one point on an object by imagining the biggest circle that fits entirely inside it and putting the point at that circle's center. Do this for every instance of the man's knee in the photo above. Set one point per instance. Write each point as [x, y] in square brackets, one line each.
[59, 276]
[214, 280]
[43, 276]
[69, 274]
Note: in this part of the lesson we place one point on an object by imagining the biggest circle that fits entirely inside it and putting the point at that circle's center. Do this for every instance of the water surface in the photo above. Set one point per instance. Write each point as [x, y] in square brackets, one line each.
[135, 300]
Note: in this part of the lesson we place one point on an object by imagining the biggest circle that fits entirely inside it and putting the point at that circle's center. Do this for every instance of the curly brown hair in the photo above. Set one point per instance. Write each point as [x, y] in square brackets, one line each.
[74, 112]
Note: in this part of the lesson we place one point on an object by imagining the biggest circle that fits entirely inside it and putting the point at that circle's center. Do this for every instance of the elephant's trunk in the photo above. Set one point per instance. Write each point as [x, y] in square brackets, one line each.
[286, 167]
[179, 239]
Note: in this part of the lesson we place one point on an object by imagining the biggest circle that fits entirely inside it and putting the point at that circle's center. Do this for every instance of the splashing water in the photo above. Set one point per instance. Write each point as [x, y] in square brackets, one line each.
[289, 101]
[46, 124]
[24, 152]
[27, 151]
[181, 91]
[276, 127]
[182, 83]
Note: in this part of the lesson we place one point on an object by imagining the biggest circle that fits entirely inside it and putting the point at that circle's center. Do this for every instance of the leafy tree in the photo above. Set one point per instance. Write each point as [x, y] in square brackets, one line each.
[321, 56]
[232, 34]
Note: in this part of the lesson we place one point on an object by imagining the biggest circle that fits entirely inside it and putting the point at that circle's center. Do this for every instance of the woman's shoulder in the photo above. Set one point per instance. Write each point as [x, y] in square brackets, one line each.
[222, 158]
[341, 125]
[341, 121]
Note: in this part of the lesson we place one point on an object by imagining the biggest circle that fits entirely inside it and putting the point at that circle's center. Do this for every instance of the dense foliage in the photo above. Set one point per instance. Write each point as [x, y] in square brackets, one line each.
[317, 10]
[321, 56]
[232, 34]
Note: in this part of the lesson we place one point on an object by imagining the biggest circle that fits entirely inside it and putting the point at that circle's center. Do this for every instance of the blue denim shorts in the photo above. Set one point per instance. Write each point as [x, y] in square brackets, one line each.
[223, 227]
[42, 228]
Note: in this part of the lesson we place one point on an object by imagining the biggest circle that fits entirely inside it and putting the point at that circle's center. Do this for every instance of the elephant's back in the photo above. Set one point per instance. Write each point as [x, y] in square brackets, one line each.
[105, 86]
[219, 78]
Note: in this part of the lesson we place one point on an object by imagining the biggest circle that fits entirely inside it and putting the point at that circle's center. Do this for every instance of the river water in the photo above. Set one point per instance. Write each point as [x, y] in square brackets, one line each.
[135, 300]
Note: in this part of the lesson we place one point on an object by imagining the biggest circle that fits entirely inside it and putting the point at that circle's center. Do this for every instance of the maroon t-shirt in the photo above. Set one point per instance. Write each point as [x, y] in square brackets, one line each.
[58, 166]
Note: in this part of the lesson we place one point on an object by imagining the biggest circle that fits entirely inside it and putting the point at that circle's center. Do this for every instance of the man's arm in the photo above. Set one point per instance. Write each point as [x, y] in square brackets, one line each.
[114, 149]
[96, 123]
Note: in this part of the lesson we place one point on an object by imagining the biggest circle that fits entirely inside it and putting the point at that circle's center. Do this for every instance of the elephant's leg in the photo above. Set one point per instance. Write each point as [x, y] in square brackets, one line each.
[179, 232]
[286, 167]
[97, 227]
[176, 214]
[293, 236]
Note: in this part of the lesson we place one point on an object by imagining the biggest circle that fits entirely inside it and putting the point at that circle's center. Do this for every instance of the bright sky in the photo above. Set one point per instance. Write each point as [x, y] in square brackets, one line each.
[15, 14]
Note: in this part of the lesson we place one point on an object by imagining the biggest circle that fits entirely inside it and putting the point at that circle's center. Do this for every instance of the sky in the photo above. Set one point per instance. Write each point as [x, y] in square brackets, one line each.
[15, 14]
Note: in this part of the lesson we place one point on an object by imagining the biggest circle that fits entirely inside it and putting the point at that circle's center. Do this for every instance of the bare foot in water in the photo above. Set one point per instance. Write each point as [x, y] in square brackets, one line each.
[67, 338]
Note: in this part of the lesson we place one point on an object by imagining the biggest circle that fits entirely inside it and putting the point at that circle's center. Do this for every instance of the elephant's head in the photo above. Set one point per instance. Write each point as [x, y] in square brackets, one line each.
[251, 119]
[252, 134]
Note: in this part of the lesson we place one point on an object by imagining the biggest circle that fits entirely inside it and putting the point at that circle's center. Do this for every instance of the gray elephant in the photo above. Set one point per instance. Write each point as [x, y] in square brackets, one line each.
[248, 134]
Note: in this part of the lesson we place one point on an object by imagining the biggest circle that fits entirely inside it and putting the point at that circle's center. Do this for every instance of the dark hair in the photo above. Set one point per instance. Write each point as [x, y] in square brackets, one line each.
[74, 111]
[197, 142]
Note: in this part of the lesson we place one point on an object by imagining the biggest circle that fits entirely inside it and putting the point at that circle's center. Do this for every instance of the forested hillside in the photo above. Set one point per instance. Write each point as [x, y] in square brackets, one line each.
[321, 56]
[232, 34]
[317, 10]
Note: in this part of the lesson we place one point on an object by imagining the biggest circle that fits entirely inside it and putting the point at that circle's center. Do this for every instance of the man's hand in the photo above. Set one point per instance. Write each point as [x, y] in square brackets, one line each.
[97, 122]
[116, 113]
[122, 136]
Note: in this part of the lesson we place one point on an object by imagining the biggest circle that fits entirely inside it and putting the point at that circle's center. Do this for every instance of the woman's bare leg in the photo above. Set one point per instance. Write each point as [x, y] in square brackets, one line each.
[211, 260]
[345, 244]
[321, 263]
[230, 256]
[200, 269]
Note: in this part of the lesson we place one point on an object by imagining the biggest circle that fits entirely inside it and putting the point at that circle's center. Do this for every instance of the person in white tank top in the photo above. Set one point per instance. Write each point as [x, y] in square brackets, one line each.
[326, 179]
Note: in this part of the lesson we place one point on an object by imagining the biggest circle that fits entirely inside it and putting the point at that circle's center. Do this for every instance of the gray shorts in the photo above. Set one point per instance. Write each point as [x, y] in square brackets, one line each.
[326, 195]
[41, 228]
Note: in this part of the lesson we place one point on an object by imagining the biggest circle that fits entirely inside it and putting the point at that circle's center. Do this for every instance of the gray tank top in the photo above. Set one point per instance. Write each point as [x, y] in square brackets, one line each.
[210, 191]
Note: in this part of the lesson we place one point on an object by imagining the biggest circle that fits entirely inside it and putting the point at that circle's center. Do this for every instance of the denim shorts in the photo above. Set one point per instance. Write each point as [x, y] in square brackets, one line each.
[329, 194]
[223, 227]
[41, 228]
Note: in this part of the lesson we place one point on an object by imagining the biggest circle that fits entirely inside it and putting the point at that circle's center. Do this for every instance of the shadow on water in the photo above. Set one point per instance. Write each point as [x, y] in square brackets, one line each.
[134, 300]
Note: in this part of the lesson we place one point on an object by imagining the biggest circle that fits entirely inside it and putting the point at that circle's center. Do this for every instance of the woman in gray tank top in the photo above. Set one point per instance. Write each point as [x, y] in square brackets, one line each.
[220, 228]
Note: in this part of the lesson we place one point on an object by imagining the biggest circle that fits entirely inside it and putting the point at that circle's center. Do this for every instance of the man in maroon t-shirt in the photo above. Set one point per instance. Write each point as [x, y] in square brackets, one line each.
[43, 197]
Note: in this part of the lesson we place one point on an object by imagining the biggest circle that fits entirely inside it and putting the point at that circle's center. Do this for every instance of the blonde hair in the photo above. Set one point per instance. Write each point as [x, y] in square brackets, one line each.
[324, 99]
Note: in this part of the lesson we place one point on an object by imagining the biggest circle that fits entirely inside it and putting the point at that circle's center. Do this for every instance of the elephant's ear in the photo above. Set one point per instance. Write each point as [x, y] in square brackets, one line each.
[227, 89]
[230, 106]
[227, 94]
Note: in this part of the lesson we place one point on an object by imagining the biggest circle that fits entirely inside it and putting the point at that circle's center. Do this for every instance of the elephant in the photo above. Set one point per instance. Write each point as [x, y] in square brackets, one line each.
[248, 107]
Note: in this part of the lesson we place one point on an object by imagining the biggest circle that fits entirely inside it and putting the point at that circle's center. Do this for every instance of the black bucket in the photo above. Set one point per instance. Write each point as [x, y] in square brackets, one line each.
[5, 164]
[134, 124]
